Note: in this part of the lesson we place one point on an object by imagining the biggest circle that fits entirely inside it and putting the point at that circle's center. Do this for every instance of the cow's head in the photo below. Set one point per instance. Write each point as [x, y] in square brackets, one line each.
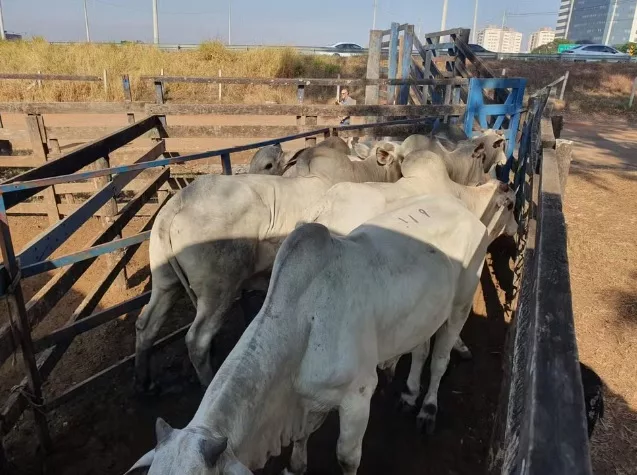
[494, 150]
[188, 451]
[497, 209]
[268, 160]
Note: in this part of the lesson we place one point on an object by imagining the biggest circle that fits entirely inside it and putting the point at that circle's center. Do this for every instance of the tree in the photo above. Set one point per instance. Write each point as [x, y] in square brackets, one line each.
[630, 48]
[550, 48]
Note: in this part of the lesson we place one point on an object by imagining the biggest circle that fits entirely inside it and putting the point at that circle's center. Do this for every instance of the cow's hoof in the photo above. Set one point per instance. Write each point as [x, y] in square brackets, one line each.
[406, 403]
[146, 388]
[426, 419]
[465, 354]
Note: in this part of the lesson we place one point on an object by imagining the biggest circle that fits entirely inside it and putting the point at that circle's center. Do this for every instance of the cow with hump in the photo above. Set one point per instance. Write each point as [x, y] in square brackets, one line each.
[220, 234]
[336, 308]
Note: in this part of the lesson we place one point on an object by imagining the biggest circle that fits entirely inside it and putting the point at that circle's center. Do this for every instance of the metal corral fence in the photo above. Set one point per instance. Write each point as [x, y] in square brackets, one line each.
[540, 425]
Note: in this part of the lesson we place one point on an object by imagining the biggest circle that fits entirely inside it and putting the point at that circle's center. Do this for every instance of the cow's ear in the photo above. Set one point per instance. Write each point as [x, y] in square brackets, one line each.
[162, 430]
[479, 153]
[385, 153]
[212, 449]
[361, 150]
[497, 143]
[142, 466]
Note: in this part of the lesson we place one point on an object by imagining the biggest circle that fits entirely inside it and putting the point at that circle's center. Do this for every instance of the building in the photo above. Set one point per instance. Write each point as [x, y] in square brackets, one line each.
[541, 37]
[611, 22]
[492, 37]
[563, 18]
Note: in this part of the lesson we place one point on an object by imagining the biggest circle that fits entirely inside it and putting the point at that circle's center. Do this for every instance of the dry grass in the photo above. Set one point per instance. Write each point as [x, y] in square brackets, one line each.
[591, 88]
[603, 266]
[137, 60]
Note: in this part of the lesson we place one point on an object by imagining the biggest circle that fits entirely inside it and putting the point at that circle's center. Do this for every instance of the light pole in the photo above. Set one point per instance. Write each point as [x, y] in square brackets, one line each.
[88, 34]
[474, 33]
[1, 23]
[443, 23]
[374, 20]
[155, 23]
[229, 21]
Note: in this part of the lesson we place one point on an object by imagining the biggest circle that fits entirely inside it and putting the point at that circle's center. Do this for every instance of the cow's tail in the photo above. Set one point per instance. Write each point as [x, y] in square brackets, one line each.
[161, 230]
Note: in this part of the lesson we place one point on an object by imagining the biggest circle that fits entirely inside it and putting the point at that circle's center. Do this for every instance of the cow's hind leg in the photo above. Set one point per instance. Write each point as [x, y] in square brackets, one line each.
[461, 348]
[354, 415]
[209, 319]
[418, 358]
[165, 286]
[446, 337]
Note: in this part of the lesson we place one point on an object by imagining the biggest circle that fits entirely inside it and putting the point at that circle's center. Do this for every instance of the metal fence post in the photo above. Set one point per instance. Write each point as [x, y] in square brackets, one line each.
[310, 120]
[22, 330]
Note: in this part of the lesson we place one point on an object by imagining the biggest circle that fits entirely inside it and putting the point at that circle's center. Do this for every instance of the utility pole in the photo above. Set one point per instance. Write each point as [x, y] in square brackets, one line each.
[474, 33]
[504, 19]
[443, 23]
[155, 23]
[374, 20]
[2, 36]
[229, 22]
[88, 34]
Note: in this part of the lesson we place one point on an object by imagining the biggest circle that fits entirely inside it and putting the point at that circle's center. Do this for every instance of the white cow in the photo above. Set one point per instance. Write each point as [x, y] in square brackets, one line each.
[347, 205]
[336, 308]
[220, 234]
[272, 160]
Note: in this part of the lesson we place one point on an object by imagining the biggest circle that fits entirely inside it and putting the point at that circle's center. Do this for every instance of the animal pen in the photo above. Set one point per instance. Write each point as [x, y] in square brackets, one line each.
[539, 424]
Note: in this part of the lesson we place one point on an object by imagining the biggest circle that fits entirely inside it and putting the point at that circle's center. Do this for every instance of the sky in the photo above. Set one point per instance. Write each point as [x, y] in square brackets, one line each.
[268, 22]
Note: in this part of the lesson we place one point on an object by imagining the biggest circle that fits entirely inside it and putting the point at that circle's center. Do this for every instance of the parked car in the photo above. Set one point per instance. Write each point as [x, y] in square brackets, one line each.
[602, 51]
[345, 49]
[479, 49]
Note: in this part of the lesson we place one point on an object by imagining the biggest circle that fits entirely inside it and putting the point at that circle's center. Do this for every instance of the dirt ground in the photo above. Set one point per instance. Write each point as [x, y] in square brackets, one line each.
[601, 215]
[107, 429]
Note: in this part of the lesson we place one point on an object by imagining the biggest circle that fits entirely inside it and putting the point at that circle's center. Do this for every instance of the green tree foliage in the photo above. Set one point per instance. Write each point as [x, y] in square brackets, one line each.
[630, 48]
[550, 48]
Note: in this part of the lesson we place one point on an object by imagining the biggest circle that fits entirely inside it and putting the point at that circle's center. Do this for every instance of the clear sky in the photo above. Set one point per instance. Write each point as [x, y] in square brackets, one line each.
[309, 23]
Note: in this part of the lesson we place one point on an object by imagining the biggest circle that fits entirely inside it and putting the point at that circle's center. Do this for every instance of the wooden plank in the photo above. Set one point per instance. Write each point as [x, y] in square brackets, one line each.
[373, 70]
[408, 43]
[79, 158]
[14, 135]
[245, 131]
[37, 136]
[49, 77]
[20, 161]
[369, 81]
[72, 107]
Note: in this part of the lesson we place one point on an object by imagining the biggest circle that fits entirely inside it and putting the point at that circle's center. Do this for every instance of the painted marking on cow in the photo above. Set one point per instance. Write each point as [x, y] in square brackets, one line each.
[422, 211]
[413, 219]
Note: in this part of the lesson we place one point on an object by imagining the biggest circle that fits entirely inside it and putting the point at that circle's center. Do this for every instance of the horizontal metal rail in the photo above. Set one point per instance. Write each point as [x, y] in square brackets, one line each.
[67, 333]
[52, 264]
[40, 184]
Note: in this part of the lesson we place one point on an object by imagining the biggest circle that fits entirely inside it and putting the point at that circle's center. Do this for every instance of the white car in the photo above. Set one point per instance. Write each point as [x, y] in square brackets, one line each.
[602, 52]
[345, 49]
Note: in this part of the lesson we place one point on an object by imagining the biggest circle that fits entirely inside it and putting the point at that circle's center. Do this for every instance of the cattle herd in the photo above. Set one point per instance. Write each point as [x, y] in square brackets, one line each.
[366, 251]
